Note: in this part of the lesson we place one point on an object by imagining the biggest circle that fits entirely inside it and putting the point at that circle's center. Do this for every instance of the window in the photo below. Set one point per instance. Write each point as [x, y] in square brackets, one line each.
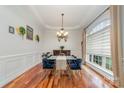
[90, 58]
[108, 63]
[100, 60]
[94, 58]
[100, 26]
[98, 45]
[97, 60]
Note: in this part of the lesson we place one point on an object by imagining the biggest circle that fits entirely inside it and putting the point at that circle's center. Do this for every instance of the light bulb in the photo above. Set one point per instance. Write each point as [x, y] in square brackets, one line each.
[62, 31]
[59, 34]
[66, 33]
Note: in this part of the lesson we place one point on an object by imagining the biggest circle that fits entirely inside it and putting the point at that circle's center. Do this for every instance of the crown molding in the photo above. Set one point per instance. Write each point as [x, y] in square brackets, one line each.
[48, 27]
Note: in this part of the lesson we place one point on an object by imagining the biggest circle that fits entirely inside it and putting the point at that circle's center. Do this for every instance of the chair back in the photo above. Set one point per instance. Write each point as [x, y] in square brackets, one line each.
[74, 56]
[48, 63]
[75, 64]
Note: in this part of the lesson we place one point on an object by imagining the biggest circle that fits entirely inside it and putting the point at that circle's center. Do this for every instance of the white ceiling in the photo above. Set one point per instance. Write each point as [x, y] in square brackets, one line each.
[76, 16]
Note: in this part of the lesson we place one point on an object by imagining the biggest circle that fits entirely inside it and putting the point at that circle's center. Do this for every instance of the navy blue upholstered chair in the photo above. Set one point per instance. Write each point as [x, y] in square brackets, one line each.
[75, 64]
[48, 63]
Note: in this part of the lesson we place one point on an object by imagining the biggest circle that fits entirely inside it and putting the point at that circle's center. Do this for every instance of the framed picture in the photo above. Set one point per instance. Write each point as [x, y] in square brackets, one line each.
[29, 33]
[11, 30]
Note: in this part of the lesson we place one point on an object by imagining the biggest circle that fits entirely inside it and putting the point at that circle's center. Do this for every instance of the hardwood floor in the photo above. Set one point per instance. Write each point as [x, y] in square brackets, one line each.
[40, 78]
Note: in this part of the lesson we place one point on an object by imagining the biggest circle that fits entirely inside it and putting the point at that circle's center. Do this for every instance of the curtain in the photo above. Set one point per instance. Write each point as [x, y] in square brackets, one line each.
[116, 46]
[84, 46]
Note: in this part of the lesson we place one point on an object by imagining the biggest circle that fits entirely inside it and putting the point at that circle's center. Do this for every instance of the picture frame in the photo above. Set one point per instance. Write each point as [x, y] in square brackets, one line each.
[11, 30]
[29, 32]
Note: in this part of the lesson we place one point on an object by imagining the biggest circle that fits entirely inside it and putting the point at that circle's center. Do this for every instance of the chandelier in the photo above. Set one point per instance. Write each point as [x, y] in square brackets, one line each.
[62, 34]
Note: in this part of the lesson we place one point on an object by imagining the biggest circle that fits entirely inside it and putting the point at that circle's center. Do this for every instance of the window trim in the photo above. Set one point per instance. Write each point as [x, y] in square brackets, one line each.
[106, 73]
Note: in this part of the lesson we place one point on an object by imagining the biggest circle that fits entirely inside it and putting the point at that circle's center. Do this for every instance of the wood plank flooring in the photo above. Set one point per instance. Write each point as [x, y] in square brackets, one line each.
[37, 77]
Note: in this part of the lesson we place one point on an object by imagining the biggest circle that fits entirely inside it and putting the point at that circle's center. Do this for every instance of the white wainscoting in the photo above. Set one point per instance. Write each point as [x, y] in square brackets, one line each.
[14, 65]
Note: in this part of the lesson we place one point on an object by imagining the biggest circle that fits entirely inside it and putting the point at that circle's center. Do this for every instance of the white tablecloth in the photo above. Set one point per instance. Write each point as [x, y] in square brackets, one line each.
[61, 63]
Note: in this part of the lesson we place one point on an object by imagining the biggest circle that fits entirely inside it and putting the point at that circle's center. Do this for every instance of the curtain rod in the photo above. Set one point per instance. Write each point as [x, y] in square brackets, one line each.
[97, 17]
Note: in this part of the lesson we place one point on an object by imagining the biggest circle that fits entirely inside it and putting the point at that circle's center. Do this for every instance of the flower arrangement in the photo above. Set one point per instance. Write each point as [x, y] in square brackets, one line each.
[62, 47]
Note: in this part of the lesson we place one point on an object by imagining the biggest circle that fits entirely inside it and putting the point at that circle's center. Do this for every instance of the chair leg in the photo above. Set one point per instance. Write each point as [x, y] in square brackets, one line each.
[69, 72]
[54, 70]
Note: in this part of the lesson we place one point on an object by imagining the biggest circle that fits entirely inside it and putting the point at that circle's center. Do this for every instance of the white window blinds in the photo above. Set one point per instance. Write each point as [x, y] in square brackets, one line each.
[98, 36]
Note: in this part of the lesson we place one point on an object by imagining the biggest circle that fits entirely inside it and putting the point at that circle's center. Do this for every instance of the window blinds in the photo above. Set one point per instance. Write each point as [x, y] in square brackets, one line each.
[98, 36]
[99, 43]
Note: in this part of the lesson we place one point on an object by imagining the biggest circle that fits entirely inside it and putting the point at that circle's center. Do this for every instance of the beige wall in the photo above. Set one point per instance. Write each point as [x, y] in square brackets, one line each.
[73, 43]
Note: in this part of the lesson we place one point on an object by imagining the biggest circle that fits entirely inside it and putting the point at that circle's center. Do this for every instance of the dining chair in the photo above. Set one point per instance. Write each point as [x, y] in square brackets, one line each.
[75, 64]
[73, 56]
[48, 63]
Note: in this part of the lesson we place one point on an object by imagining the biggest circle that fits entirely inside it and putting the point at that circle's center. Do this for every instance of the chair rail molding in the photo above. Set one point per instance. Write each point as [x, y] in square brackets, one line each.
[16, 55]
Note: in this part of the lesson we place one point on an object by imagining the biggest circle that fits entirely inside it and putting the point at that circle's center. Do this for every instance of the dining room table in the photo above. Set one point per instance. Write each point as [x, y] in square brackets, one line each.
[61, 61]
